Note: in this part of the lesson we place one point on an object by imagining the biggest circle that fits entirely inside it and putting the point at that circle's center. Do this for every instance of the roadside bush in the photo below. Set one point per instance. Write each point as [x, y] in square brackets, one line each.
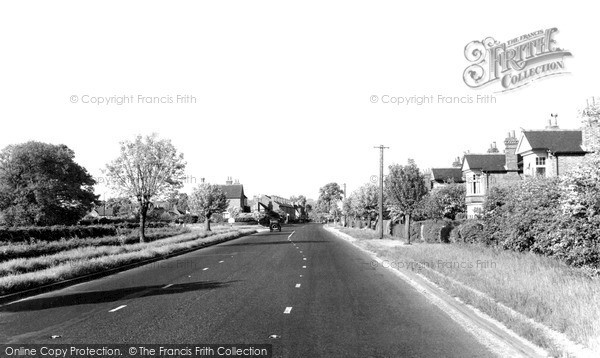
[548, 216]
[436, 230]
[469, 231]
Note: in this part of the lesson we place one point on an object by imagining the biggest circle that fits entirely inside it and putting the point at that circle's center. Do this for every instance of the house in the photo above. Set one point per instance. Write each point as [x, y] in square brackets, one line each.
[277, 204]
[234, 191]
[483, 171]
[100, 211]
[552, 151]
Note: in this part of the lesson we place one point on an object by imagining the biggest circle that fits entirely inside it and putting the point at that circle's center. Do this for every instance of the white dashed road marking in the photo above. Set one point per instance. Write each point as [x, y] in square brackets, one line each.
[221, 262]
[118, 308]
[169, 285]
[297, 285]
[204, 269]
[303, 266]
[287, 310]
[304, 258]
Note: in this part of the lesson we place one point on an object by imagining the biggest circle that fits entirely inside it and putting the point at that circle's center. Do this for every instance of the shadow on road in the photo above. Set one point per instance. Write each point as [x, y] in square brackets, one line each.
[274, 243]
[94, 297]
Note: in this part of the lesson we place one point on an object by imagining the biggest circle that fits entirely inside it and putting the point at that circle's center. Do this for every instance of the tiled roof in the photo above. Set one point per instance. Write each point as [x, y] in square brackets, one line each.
[446, 174]
[486, 162]
[557, 141]
[233, 191]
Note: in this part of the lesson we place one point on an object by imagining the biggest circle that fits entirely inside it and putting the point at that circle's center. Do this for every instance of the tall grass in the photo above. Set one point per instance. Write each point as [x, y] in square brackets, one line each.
[564, 298]
[83, 261]
[39, 248]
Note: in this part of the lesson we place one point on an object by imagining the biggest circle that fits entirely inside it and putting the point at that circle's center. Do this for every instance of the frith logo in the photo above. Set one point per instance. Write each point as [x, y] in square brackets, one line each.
[514, 63]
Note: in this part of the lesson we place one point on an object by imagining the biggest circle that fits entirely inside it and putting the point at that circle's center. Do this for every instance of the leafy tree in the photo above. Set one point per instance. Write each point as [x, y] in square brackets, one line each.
[444, 202]
[147, 168]
[329, 195]
[299, 200]
[206, 200]
[363, 203]
[405, 187]
[41, 184]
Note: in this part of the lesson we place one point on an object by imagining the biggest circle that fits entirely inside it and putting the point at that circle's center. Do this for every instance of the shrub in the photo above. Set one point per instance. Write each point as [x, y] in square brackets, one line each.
[469, 231]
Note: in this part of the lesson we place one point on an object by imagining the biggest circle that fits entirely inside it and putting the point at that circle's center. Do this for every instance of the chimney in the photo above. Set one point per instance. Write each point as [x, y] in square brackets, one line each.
[202, 180]
[237, 181]
[553, 122]
[510, 151]
[493, 148]
[457, 163]
[228, 181]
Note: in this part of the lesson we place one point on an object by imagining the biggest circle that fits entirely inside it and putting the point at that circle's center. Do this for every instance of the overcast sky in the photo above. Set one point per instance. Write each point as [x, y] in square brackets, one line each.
[283, 90]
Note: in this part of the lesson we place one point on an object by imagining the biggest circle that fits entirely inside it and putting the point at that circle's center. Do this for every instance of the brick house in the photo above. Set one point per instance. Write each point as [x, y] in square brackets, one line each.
[235, 196]
[483, 171]
[553, 151]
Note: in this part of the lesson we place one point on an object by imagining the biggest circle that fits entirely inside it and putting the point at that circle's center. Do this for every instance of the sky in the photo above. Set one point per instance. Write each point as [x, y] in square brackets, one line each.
[283, 90]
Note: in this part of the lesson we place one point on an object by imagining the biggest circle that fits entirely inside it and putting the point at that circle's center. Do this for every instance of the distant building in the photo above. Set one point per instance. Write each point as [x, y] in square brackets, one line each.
[234, 191]
[278, 204]
[483, 171]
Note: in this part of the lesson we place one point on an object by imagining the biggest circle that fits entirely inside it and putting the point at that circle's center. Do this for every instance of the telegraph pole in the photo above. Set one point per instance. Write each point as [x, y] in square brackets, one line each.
[381, 149]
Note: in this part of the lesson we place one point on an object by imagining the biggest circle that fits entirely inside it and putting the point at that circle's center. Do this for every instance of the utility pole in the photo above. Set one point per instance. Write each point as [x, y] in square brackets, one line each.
[345, 217]
[381, 149]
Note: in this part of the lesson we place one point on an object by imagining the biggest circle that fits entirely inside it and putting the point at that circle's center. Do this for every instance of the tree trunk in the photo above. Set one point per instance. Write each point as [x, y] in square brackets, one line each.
[407, 228]
[207, 223]
[143, 213]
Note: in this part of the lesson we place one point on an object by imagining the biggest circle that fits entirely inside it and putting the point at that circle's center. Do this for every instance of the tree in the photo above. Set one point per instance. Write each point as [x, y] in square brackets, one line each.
[363, 203]
[206, 200]
[41, 184]
[405, 187]
[147, 168]
[329, 195]
[444, 202]
[299, 200]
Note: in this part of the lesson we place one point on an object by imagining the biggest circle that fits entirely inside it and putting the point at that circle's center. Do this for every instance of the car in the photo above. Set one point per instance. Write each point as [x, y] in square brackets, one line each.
[274, 225]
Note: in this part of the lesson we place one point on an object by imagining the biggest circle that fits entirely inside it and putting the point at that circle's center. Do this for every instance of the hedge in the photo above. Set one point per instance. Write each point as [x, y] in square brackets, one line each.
[55, 233]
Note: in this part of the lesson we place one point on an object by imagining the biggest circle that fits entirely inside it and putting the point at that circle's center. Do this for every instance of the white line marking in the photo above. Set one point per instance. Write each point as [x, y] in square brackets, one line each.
[221, 262]
[297, 285]
[204, 269]
[169, 285]
[287, 310]
[304, 258]
[303, 266]
[292, 234]
[118, 308]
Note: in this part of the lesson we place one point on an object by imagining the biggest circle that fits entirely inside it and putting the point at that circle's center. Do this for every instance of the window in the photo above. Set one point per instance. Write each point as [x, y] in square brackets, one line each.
[474, 184]
[540, 161]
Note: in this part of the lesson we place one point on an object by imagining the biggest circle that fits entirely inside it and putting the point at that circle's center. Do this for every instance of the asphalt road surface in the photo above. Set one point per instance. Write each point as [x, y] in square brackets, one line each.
[316, 293]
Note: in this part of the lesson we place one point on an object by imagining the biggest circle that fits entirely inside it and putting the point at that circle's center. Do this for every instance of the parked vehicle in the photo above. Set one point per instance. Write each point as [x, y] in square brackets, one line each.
[274, 225]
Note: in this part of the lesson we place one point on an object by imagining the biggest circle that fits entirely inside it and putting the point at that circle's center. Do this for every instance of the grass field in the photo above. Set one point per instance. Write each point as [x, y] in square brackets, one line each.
[564, 298]
[89, 256]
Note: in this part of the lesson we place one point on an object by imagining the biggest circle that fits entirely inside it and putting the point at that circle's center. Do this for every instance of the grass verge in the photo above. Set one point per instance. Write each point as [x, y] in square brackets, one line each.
[563, 298]
[82, 265]
[40, 248]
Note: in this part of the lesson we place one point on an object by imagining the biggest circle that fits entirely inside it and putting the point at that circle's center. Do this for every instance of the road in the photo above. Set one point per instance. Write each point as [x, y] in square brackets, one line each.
[317, 293]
